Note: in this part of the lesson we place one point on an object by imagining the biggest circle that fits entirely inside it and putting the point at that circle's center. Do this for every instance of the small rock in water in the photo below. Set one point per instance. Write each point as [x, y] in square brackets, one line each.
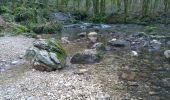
[134, 53]
[152, 93]
[65, 40]
[88, 56]
[82, 35]
[155, 45]
[21, 57]
[167, 54]
[168, 42]
[14, 62]
[114, 39]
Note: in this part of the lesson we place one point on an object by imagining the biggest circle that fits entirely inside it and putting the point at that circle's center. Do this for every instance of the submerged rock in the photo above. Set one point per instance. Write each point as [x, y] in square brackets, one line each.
[82, 35]
[154, 45]
[46, 55]
[112, 44]
[167, 54]
[88, 56]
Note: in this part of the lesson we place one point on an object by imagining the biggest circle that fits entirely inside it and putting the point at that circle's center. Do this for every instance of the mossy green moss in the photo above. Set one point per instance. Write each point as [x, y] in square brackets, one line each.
[58, 49]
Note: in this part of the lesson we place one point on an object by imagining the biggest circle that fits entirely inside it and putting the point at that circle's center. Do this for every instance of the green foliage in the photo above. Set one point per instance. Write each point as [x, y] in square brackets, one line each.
[58, 49]
[8, 17]
[51, 27]
[151, 28]
[79, 15]
[18, 29]
[98, 19]
[23, 14]
[5, 9]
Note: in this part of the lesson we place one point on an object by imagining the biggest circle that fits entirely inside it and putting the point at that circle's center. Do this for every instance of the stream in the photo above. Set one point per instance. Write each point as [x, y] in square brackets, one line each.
[150, 68]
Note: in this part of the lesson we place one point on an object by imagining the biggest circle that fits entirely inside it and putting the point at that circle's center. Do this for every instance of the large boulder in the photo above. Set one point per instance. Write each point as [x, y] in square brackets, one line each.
[46, 55]
[88, 56]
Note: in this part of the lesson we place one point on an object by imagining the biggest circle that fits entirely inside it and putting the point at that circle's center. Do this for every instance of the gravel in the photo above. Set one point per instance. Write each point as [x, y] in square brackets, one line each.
[22, 83]
[12, 49]
[58, 85]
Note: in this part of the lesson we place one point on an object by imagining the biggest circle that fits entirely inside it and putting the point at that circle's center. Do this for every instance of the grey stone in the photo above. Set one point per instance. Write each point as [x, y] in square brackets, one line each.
[89, 56]
[118, 44]
[43, 58]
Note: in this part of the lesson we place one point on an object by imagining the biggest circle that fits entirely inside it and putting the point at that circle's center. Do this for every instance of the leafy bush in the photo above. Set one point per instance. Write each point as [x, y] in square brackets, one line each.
[23, 14]
[51, 27]
[18, 29]
[79, 15]
[98, 19]
[151, 28]
[4, 9]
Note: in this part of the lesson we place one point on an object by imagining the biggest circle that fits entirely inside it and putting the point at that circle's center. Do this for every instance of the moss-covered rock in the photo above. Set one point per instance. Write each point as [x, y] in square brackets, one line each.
[46, 55]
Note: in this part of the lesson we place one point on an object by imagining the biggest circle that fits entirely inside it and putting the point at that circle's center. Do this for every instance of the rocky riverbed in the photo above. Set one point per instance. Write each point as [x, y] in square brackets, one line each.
[140, 72]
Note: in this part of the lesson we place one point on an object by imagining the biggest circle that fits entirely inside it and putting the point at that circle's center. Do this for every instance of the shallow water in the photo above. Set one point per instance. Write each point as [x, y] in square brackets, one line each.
[151, 68]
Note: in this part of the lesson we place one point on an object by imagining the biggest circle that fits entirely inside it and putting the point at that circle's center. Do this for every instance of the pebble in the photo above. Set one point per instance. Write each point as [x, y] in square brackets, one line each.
[14, 62]
[130, 76]
[134, 53]
[152, 93]
[81, 71]
[103, 97]
[132, 83]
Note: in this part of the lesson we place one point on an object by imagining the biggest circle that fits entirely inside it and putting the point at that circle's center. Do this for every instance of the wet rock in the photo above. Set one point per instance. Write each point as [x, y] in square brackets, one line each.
[118, 44]
[82, 35]
[92, 36]
[88, 56]
[134, 53]
[65, 40]
[46, 55]
[166, 82]
[154, 45]
[168, 42]
[167, 54]
[152, 93]
[14, 62]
